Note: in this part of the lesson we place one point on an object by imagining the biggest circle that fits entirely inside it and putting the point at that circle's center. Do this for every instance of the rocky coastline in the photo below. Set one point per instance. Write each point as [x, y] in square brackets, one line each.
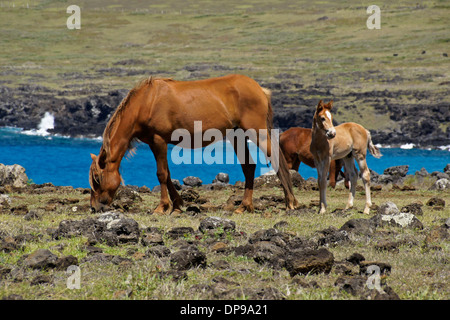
[419, 124]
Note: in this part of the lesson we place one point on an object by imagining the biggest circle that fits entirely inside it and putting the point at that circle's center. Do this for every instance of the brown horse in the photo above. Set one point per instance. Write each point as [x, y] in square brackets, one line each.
[155, 108]
[295, 144]
[349, 142]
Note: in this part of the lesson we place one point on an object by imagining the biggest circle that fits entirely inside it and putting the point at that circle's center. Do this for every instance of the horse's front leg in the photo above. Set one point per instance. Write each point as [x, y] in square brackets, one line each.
[159, 149]
[322, 172]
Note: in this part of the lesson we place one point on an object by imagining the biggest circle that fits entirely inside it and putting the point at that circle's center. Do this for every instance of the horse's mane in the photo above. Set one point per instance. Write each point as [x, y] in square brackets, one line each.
[117, 115]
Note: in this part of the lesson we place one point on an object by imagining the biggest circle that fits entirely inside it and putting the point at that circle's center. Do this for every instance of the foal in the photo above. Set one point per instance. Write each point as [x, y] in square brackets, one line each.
[348, 141]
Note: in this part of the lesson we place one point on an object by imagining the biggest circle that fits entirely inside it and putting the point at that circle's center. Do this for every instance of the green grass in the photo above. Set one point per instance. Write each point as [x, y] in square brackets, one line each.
[262, 39]
[417, 270]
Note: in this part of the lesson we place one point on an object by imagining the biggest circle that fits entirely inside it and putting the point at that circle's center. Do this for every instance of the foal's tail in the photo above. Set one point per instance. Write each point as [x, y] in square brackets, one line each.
[372, 148]
[283, 170]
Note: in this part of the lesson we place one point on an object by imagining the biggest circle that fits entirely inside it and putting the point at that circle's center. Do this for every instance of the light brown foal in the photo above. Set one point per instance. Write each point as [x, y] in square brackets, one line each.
[348, 141]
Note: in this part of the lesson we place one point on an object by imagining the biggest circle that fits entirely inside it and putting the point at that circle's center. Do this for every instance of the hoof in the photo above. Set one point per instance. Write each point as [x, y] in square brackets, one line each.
[177, 211]
[162, 210]
[242, 208]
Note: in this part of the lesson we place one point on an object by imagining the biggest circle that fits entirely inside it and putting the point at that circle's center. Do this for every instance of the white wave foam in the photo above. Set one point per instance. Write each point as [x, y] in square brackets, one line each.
[407, 146]
[47, 122]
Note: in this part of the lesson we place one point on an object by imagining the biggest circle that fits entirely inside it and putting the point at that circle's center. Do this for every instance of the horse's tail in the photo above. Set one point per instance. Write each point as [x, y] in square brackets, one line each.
[283, 170]
[372, 148]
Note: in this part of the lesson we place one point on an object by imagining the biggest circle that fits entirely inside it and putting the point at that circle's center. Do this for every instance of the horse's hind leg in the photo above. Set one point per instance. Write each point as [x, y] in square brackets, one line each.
[350, 170]
[365, 175]
[270, 146]
[159, 149]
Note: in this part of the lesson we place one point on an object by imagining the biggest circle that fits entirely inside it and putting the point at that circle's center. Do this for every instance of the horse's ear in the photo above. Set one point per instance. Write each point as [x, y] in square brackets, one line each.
[320, 106]
[330, 105]
[93, 157]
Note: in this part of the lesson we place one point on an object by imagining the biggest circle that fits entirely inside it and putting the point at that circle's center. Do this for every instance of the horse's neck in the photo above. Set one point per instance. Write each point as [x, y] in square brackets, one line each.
[120, 138]
[317, 133]
[319, 142]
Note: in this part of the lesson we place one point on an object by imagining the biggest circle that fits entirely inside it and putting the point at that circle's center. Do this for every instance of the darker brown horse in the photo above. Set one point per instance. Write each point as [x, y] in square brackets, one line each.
[155, 108]
[295, 143]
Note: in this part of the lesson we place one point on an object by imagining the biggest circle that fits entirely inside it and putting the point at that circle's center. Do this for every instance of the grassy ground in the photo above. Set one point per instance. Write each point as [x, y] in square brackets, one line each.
[419, 267]
[326, 43]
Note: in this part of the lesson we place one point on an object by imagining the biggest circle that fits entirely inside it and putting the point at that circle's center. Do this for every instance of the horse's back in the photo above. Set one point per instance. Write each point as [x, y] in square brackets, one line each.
[221, 102]
[353, 134]
[354, 129]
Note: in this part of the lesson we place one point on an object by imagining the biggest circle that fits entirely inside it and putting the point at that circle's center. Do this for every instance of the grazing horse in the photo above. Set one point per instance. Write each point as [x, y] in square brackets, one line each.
[349, 142]
[295, 143]
[155, 108]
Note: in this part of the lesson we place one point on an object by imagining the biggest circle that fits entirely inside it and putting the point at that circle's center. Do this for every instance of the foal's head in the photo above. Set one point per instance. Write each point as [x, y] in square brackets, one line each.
[104, 182]
[324, 120]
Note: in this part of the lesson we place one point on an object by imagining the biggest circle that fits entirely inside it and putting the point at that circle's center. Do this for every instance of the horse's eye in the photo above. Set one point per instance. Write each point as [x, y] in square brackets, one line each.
[322, 118]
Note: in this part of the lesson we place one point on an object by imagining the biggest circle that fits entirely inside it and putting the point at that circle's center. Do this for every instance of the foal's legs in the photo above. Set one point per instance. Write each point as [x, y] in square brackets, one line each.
[365, 175]
[350, 169]
[322, 173]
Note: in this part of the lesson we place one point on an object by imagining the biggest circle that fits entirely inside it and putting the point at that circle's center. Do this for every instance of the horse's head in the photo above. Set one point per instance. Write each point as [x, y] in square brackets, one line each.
[104, 182]
[324, 120]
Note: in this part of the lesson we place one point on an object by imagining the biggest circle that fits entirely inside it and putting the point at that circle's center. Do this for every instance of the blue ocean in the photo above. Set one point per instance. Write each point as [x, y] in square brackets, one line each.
[65, 161]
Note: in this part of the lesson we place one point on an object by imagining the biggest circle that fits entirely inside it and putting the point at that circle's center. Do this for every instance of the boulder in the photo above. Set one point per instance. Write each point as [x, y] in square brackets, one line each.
[399, 171]
[111, 228]
[359, 226]
[190, 257]
[354, 285]
[447, 169]
[309, 261]
[13, 175]
[192, 181]
[388, 208]
[414, 208]
[126, 230]
[152, 239]
[355, 258]
[159, 251]
[385, 268]
[421, 173]
[270, 179]
[222, 178]
[332, 237]
[402, 220]
[436, 202]
[189, 195]
[270, 253]
[441, 184]
[215, 223]
[41, 259]
[180, 232]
